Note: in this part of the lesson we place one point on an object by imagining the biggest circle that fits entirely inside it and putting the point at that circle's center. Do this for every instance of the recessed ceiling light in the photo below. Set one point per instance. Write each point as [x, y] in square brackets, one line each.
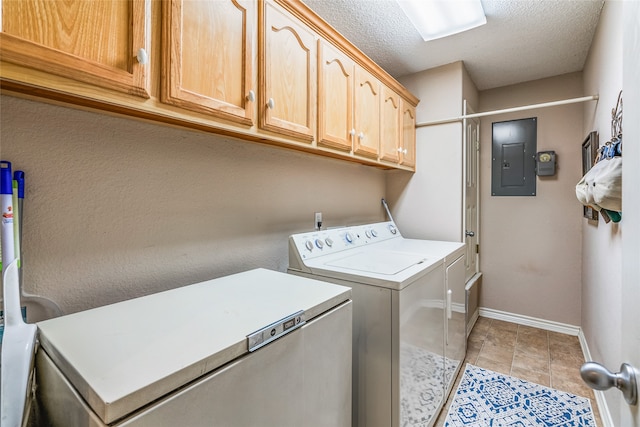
[435, 19]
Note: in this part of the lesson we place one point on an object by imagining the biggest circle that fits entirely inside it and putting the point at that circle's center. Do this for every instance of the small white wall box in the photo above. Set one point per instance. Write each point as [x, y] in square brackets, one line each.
[546, 163]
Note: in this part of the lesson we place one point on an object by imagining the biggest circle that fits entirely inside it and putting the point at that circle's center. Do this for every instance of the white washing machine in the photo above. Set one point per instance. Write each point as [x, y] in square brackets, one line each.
[408, 344]
[258, 348]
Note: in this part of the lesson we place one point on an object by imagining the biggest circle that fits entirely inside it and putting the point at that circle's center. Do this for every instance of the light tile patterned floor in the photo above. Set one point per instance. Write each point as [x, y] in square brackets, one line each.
[542, 357]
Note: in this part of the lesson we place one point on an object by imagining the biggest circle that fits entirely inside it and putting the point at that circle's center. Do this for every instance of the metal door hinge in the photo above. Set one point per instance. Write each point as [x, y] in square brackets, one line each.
[477, 249]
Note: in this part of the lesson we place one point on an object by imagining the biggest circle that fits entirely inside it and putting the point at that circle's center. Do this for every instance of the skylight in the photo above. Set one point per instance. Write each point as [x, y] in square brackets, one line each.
[435, 19]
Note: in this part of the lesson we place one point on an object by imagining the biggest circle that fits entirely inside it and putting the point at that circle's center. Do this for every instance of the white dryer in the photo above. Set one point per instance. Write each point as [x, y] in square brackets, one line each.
[404, 357]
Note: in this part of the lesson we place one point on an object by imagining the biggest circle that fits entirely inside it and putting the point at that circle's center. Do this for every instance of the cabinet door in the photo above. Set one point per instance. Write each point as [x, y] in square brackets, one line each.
[288, 61]
[408, 152]
[335, 98]
[390, 125]
[367, 114]
[103, 43]
[208, 57]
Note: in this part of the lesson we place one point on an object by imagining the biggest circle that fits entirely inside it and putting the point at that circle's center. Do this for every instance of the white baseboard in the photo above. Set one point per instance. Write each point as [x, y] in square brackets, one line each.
[605, 414]
[562, 328]
[547, 325]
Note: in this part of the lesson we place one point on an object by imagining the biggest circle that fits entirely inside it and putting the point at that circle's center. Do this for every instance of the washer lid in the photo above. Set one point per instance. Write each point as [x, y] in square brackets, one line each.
[378, 262]
[124, 356]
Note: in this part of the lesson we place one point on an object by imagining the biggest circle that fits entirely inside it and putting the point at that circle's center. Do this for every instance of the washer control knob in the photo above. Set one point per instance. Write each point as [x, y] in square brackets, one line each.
[392, 229]
[309, 245]
[319, 243]
[374, 233]
[328, 241]
[368, 234]
[348, 237]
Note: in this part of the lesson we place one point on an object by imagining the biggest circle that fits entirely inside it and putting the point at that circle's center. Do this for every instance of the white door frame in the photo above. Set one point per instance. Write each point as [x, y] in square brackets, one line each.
[471, 171]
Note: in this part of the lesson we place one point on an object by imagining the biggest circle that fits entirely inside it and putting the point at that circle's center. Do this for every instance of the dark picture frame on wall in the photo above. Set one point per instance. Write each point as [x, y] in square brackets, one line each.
[589, 151]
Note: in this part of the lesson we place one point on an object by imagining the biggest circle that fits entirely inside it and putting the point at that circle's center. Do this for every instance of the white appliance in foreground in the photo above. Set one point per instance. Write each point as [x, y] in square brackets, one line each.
[408, 317]
[258, 348]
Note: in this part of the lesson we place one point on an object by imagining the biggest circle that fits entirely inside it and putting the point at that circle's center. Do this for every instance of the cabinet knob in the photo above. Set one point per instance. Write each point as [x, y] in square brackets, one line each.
[404, 151]
[352, 132]
[399, 150]
[251, 96]
[271, 104]
[361, 135]
[142, 56]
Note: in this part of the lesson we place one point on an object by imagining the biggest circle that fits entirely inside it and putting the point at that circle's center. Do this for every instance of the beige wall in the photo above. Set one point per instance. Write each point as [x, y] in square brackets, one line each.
[469, 91]
[428, 204]
[531, 248]
[117, 208]
[602, 243]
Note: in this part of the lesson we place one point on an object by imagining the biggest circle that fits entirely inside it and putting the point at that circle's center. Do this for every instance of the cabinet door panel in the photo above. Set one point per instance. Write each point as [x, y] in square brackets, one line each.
[335, 98]
[288, 75]
[208, 67]
[95, 42]
[390, 125]
[408, 155]
[367, 114]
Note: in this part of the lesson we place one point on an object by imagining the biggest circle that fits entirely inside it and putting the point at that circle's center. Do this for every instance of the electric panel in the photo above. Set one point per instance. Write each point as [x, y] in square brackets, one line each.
[513, 165]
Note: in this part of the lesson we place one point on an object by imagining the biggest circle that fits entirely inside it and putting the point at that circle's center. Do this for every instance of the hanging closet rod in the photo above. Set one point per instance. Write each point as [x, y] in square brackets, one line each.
[510, 110]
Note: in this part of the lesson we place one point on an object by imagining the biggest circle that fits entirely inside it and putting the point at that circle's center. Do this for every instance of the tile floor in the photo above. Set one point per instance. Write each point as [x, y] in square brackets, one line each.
[548, 358]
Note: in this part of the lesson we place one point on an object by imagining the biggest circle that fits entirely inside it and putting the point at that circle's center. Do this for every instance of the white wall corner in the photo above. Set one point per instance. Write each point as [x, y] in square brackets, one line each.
[605, 414]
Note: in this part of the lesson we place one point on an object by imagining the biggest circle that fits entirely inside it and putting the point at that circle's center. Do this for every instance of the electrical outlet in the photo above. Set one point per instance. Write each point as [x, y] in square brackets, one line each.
[318, 220]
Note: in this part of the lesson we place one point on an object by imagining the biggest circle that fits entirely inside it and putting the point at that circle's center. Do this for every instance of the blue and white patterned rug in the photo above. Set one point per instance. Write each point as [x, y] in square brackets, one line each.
[485, 398]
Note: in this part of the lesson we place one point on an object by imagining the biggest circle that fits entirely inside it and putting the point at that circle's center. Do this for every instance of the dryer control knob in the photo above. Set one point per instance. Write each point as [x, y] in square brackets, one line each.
[328, 241]
[392, 229]
[309, 245]
[319, 243]
[368, 234]
[374, 233]
[348, 237]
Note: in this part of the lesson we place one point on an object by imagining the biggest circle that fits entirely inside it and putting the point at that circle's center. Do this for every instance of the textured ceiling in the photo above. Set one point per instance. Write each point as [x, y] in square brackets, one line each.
[523, 40]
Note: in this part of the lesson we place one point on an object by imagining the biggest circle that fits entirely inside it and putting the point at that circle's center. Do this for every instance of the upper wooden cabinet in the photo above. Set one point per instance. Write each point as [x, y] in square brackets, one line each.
[390, 125]
[268, 71]
[335, 98]
[287, 60]
[103, 43]
[408, 147]
[366, 114]
[209, 56]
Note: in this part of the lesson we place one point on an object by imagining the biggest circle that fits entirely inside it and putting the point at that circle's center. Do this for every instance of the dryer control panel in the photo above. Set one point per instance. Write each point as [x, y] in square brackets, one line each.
[324, 242]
